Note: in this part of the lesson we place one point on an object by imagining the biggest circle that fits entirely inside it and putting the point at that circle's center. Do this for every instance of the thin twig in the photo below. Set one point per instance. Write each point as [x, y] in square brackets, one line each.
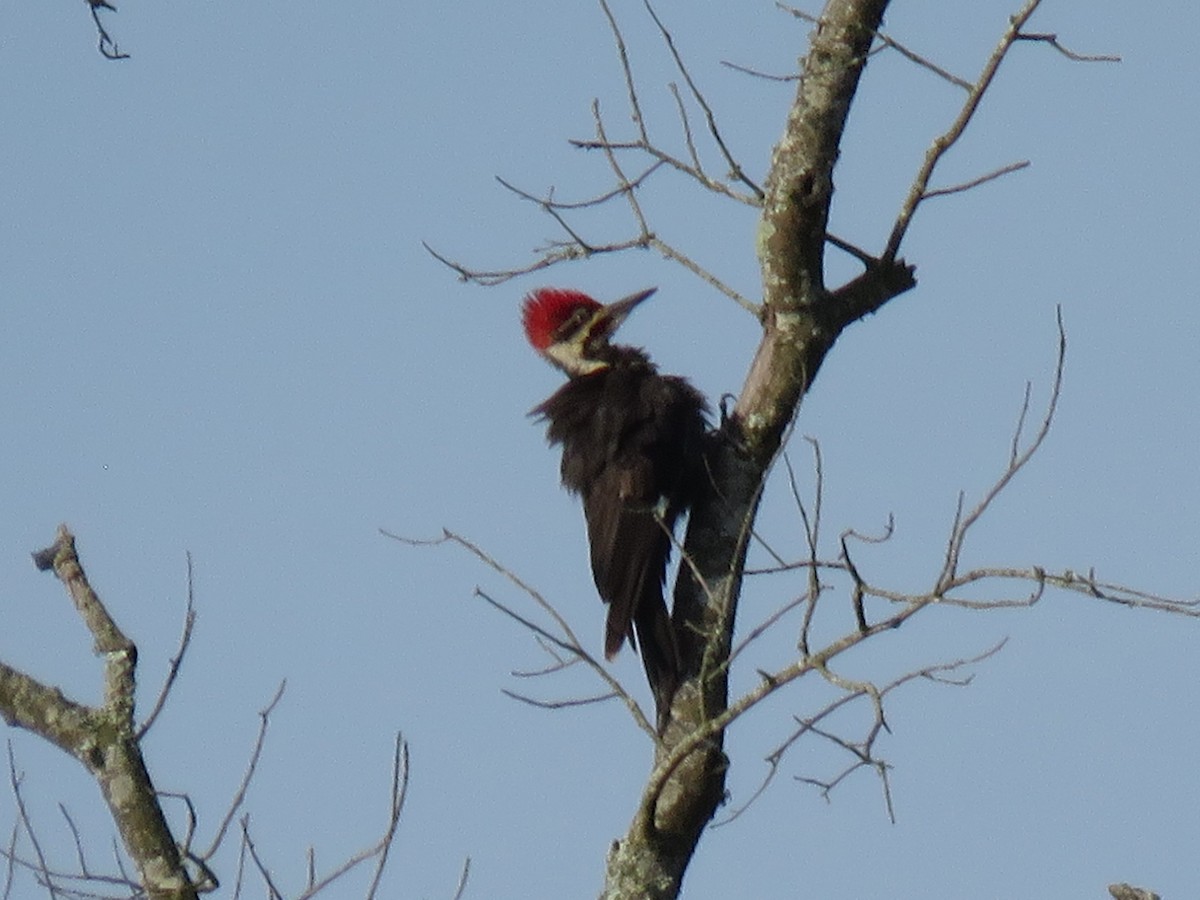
[569, 643]
[559, 704]
[79, 854]
[10, 868]
[239, 796]
[380, 850]
[1052, 40]
[1017, 462]
[107, 46]
[976, 182]
[14, 781]
[272, 891]
[746, 70]
[185, 640]
[462, 880]
[705, 275]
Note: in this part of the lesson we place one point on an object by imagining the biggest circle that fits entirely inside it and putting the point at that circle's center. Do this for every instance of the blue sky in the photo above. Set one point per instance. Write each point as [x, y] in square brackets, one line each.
[219, 333]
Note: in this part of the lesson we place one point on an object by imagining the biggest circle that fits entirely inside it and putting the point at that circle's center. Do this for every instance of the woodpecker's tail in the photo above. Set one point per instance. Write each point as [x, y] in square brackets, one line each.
[660, 654]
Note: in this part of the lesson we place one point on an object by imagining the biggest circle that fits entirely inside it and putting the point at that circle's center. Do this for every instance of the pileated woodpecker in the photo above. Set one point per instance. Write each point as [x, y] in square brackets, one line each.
[632, 449]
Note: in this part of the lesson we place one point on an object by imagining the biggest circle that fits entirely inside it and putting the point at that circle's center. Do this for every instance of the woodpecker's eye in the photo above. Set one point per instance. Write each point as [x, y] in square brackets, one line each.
[572, 323]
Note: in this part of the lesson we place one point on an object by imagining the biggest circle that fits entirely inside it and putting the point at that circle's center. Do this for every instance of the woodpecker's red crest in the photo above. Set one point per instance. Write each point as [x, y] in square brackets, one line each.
[547, 309]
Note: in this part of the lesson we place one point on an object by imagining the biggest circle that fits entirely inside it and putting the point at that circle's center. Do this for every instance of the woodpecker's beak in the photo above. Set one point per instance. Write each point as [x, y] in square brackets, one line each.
[609, 318]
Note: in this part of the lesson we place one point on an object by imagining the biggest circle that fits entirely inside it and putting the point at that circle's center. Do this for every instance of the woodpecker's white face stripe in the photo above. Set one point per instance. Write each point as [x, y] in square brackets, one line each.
[569, 357]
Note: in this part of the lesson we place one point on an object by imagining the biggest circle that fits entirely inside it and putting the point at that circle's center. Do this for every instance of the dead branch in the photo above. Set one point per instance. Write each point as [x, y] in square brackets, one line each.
[747, 70]
[42, 869]
[239, 796]
[976, 182]
[945, 591]
[919, 191]
[1018, 459]
[1129, 892]
[462, 880]
[185, 640]
[888, 42]
[946, 140]
[577, 246]
[566, 641]
[103, 738]
[273, 893]
[107, 46]
[1052, 40]
[380, 850]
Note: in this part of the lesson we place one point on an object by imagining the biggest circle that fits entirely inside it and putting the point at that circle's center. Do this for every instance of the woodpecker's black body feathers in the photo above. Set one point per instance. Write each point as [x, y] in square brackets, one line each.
[632, 449]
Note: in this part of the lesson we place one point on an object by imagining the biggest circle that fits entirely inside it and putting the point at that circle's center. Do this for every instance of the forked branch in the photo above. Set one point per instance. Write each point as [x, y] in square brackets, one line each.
[919, 191]
[563, 647]
[103, 738]
[578, 245]
[947, 589]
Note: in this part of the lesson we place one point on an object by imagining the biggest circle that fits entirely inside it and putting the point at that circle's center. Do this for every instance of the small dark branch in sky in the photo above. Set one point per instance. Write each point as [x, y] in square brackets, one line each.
[857, 252]
[557, 704]
[921, 61]
[746, 70]
[107, 46]
[273, 893]
[856, 593]
[623, 183]
[551, 202]
[669, 252]
[552, 254]
[686, 123]
[462, 880]
[976, 182]
[185, 640]
[80, 856]
[239, 796]
[812, 536]
[635, 108]
[1052, 40]
[14, 781]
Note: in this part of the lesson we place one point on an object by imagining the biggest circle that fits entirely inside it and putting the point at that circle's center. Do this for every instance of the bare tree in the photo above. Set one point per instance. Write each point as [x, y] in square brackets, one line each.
[802, 317]
[107, 741]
